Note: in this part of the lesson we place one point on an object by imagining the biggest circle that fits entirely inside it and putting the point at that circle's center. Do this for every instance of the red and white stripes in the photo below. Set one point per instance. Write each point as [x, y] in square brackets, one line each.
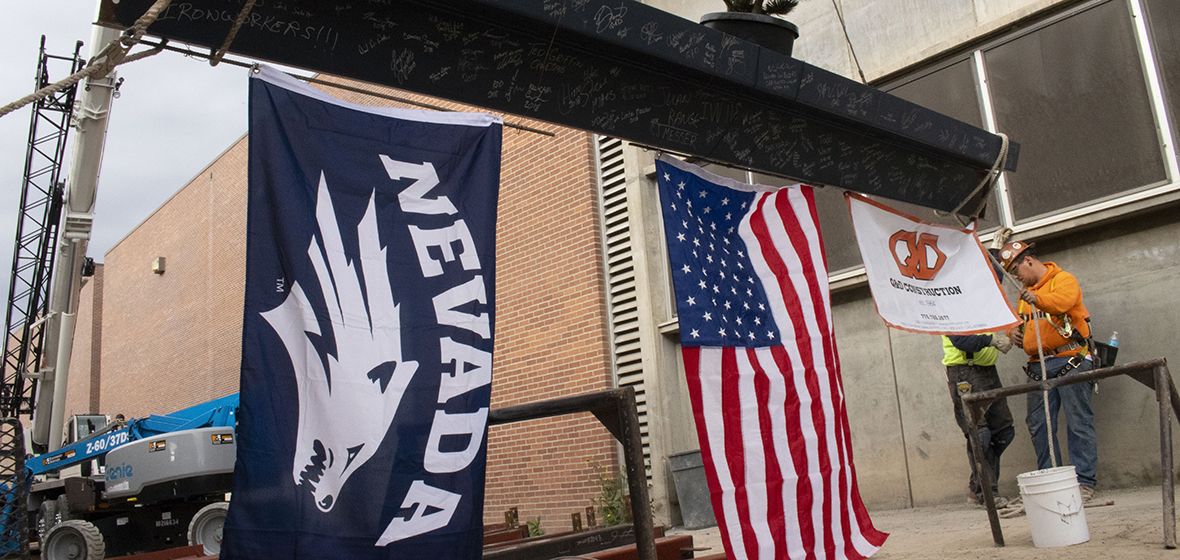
[772, 421]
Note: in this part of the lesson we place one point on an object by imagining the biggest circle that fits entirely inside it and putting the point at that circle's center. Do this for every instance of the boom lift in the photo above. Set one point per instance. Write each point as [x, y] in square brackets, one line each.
[161, 482]
[118, 487]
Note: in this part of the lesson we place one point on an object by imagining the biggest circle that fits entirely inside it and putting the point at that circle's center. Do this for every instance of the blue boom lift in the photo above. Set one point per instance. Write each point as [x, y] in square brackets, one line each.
[160, 482]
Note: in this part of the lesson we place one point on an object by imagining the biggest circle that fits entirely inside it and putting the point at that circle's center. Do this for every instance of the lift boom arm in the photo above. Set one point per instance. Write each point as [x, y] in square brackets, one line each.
[91, 123]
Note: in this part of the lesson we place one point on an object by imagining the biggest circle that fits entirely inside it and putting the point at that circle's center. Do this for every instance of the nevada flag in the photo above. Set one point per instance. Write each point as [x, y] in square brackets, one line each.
[367, 332]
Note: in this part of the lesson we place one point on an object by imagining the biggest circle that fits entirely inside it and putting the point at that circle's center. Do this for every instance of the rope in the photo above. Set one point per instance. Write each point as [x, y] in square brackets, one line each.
[990, 179]
[849, 42]
[216, 56]
[1044, 392]
[111, 56]
[1003, 234]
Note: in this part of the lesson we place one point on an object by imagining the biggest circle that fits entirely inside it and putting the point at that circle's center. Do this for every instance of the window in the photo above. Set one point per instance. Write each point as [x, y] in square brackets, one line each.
[1074, 95]
[1163, 17]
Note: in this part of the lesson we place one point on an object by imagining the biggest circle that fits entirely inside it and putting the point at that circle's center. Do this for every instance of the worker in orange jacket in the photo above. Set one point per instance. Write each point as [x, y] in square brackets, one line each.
[1051, 307]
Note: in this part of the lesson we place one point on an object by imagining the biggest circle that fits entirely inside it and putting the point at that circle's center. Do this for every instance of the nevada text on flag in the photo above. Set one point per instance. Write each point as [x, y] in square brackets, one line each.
[367, 333]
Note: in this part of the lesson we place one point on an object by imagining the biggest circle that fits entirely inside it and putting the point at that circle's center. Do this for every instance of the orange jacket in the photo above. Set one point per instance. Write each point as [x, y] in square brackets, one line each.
[1058, 296]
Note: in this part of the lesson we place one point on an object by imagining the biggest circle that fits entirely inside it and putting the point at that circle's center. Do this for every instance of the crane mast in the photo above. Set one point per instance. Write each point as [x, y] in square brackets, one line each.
[90, 120]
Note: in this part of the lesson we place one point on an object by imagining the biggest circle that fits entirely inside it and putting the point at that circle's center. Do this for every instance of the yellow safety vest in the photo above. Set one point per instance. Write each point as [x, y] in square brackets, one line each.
[954, 357]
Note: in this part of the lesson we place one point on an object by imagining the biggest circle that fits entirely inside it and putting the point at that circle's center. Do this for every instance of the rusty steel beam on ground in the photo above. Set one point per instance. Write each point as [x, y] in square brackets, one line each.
[1152, 373]
[616, 410]
[667, 548]
[569, 544]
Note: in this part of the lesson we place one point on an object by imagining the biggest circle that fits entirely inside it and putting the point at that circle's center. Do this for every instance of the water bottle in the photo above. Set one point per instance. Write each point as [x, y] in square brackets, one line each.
[1114, 340]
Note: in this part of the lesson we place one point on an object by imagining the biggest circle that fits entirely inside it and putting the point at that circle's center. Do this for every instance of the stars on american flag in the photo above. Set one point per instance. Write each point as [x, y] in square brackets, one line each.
[713, 272]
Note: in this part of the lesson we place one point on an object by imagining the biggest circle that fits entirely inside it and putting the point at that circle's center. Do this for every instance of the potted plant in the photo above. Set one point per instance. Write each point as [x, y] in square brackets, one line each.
[755, 21]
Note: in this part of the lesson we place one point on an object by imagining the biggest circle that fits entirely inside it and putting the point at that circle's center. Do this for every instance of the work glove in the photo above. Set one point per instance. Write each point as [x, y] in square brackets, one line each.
[1001, 343]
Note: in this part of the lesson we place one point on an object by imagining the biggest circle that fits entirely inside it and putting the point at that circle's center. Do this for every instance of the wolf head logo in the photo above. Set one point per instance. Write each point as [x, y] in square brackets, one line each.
[347, 401]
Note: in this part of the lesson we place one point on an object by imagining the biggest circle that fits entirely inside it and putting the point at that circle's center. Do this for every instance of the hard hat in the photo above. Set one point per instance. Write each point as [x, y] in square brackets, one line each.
[1012, 250]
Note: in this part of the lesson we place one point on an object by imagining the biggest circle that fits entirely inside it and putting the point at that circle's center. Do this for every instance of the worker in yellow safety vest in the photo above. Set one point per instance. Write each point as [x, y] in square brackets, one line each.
[970, 362]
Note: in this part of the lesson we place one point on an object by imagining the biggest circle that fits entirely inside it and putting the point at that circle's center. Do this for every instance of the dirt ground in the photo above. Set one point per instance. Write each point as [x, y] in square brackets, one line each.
[1132, 528]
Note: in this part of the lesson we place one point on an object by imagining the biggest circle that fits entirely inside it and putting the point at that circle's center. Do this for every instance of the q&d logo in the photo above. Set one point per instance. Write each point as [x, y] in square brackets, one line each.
[919, 258]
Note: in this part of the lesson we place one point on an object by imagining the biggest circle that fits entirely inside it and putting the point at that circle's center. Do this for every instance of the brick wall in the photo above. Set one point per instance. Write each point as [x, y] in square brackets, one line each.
[173, 340]
[551, 336]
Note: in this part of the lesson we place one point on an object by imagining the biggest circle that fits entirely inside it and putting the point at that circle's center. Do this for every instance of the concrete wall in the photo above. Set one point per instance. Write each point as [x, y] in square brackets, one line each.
[1129, 276]
[907, 447]
[885, 35]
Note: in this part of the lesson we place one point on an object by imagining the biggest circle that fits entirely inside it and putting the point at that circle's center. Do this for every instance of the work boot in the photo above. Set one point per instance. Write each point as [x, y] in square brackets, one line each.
[1001, 502]
[1088, 496]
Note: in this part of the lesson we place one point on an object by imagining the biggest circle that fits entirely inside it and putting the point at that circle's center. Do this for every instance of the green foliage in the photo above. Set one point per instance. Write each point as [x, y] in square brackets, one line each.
[770, 7]
[534, 526]
[612, 508]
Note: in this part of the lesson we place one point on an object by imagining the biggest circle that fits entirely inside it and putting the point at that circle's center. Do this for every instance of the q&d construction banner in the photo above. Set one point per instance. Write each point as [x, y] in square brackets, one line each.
[926, 277]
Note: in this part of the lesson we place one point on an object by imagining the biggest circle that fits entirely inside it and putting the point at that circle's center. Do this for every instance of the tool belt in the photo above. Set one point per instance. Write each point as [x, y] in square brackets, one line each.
[1073, 344]
[1073, 363]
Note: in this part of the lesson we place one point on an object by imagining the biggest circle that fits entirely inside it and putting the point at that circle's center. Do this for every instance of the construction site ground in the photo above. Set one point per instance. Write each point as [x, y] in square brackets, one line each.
[1131, 528]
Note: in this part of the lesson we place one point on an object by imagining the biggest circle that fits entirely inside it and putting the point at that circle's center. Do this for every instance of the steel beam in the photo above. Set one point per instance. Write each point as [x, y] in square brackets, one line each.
[619, 68]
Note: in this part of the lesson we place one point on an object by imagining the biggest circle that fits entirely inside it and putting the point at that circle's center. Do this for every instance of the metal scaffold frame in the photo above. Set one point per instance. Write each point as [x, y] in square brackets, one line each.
[36, 236]
[28, 292]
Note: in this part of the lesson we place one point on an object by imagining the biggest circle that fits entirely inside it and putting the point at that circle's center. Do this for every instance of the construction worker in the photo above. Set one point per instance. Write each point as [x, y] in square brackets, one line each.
[970, 362]
[1052, 309]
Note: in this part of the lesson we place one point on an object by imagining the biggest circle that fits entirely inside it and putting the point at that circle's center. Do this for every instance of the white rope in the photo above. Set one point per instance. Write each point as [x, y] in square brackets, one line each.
[988, 181]
[216, 56]
[1049, 431]
[111, 56]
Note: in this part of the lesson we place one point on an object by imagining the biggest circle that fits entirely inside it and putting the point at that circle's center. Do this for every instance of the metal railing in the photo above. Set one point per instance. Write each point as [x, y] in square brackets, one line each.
[615, 409]
[1152, 373]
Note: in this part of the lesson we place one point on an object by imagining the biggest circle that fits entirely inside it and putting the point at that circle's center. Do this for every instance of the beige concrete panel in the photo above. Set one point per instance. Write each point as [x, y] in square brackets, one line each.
[821, 40]
[862, 341]
[935, 446]
[885, 33]
[888, 35]
[1130, 278]
[669, 411]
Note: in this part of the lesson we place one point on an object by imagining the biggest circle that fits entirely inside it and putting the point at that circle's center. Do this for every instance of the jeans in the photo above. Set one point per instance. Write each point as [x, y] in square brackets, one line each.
[994, 427]
[1079, 421]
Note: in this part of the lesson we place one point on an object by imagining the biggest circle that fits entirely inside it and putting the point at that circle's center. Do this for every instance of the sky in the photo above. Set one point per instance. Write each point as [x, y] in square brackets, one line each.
[175, 114]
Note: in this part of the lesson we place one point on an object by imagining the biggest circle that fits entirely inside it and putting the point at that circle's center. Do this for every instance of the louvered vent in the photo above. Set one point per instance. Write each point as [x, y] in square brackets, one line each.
[624, 315]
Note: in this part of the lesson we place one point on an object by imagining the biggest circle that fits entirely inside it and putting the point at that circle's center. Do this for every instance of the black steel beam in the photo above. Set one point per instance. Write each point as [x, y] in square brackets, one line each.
[619, 68]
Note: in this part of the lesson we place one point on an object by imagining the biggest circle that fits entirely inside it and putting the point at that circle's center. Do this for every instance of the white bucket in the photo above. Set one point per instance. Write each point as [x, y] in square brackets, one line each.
[1053, 502]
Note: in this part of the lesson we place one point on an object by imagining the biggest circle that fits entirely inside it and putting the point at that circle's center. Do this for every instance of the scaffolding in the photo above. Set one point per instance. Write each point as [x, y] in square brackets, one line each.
[28, 291]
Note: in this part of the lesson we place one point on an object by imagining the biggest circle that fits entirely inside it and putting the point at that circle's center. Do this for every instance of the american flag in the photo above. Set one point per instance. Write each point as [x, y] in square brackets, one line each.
[750, 279]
